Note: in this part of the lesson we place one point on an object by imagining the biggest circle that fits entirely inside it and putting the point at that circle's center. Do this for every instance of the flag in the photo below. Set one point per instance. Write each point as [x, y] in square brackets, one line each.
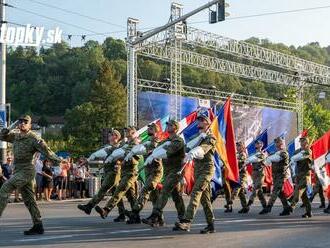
[294, 144]
[225, 152]
[263, 137]
[161, 123]
[321, 151]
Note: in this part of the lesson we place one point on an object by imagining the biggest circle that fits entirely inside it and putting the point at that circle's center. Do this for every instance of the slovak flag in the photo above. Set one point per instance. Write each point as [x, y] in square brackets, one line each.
[321, 155]
[223, 130]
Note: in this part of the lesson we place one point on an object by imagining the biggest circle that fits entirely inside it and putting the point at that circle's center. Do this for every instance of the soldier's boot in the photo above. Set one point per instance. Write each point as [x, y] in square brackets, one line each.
[302, 205]
[322, 205]
[264, 211]
[87, 208]
[150, 220]
[158, 221]
[244, 210]
[134, 218]
[249, 203]
[229, 208]
[286, 211]
[209, 229]
[327, 210]
[35, 230]
[103, 212]
[307, 215]
[128, 213]
[120, 218]
[183, 225]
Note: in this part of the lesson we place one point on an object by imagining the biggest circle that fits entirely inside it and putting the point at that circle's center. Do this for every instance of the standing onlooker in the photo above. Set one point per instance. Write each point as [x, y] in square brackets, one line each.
[61, 180]
[47, 179]
[38, 165]
[81, 173]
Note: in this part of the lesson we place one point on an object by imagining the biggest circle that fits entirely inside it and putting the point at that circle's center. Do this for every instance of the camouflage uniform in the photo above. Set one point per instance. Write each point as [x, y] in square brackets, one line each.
[258, 177]
[154, 175]
[24, 147]
[240, 191]
[280, 174]
[318, 189]
[127, 185]
[171, 186]
[110, 181]
[227, 191]
[201, 192]
[303, 176]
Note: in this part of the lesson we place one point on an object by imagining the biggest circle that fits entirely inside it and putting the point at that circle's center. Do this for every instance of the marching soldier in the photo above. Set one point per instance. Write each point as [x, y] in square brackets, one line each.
[172, 151]
[154, 174]
[25, 144]
[111, 174]
[318, 189]
[303, 161]
[240, 191]
[280, 172]
[203, 155]
[127, 185]
[258, 176]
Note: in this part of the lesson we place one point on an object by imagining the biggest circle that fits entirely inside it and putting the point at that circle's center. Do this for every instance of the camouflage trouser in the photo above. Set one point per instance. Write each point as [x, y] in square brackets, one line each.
[301, 191]
[171, 187]
[149, 190]
[240, 192]
[109, 183]
[227, 191]
[25, 183]
[201, 193]
[126, 187]
[278, 192]
[318, 189]
[258, 179]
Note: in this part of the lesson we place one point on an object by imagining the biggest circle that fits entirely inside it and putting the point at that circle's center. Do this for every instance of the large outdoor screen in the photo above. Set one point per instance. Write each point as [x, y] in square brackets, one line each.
[249, 120]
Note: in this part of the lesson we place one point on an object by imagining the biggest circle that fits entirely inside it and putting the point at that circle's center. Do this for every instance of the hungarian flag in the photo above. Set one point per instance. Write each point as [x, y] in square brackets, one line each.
[321, 155]
[223, 129]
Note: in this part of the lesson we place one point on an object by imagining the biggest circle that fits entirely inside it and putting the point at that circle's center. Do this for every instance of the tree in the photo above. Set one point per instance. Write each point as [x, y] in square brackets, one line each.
[316, 119]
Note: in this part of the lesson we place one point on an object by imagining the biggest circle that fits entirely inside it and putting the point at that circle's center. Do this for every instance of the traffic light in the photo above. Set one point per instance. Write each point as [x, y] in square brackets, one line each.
[220, 13]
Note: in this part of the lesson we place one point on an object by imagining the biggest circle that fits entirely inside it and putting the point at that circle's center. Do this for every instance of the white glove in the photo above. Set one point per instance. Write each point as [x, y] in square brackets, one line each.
[98, 154]
[149, 160]
[188, 157]
[139, 149]
[273, 158]
[197, 152]
[116, 154]
[293, 166]
[195, 142]
[299, 156]
[159, 153]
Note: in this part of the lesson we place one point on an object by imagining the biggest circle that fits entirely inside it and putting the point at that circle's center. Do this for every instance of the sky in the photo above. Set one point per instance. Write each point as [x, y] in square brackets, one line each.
[296, 29]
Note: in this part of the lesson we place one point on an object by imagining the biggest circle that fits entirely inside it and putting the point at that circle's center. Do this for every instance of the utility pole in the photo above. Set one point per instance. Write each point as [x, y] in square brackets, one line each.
[3, 145]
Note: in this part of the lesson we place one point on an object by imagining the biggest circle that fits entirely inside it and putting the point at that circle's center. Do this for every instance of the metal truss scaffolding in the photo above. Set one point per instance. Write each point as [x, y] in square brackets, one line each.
[175, 42]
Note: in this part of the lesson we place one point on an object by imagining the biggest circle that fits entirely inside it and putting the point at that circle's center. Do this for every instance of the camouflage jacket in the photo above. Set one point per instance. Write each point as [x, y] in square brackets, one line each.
[258, 166]
[304, 166]
[25, 145]
[156, 166]
[175, 152]
[241, 158]
[205, 167]
[281, 168]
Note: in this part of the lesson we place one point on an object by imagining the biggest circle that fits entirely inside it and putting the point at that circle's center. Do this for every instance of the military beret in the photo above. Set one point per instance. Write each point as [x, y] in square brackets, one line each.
[26, 118]
[173, 123]
[204, 117]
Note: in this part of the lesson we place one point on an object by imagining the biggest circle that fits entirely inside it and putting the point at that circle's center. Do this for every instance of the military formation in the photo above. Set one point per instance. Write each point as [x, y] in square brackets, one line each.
[164, 164]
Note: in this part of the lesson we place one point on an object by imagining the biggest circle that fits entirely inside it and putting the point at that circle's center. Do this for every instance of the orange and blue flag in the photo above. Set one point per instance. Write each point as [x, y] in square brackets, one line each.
[223, 130]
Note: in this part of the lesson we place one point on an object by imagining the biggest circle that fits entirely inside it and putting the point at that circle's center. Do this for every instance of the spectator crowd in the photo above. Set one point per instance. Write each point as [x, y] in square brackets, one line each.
[67, 180]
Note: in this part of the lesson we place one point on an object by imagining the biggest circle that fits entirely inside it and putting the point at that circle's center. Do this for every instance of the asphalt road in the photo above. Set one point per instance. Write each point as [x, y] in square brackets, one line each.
[66, 226]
